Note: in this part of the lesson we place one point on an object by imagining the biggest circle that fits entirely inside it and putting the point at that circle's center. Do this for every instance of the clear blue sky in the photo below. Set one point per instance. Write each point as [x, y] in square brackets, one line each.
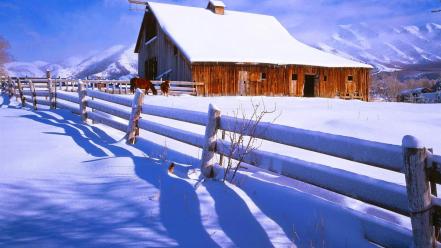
[56, 30]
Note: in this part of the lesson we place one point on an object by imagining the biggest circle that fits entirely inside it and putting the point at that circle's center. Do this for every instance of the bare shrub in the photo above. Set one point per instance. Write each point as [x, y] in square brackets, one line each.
[243, 142]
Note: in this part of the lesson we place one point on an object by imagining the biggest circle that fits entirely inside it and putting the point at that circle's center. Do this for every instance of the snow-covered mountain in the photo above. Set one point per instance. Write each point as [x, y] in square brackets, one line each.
[32, 69]
[387, 48]
[117, 62]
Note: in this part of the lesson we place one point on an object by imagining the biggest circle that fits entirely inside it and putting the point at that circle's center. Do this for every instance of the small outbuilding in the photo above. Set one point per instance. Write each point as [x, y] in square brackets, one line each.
[238, 53]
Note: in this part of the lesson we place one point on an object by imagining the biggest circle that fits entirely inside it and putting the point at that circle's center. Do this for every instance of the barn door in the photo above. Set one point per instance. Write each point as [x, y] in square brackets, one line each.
[151, 68]
[350, 88]
[309, 86]
[243, 83]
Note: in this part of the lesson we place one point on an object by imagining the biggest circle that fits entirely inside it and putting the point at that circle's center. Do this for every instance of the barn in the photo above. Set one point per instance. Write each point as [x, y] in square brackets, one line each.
[239, 53]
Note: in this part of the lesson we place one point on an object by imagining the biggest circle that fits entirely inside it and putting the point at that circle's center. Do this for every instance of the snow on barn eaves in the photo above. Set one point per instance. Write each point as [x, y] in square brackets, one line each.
[238, 37]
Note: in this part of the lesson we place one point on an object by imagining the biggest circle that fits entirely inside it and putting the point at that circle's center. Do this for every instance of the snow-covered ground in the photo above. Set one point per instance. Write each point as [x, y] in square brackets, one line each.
[375, 121]
[63, 183]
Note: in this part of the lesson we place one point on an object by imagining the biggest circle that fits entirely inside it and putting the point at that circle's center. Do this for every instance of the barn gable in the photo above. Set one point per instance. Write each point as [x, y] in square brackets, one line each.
[237, 37]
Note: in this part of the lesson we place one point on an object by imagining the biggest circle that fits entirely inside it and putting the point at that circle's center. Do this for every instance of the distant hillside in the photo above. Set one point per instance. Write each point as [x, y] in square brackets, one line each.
[117, 62]
[413, 47]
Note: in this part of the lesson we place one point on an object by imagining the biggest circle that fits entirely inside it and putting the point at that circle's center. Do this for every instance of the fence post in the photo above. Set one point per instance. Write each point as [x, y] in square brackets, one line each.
[221, 158]
[51, 93]
[418, 192]
[20, 92]
[135, 115]
[3, 84]
[208, 152]
[34, 95]
[11, 88]
[434, 192]
[82, 100]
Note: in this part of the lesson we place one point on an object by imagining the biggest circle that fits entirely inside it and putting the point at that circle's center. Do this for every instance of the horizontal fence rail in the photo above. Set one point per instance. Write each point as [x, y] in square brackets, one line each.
[103, 107]
[189, 116]
[68, 97]
[381, 155]
[116, 86]
[73, 109]
[107, 121]
[422, 169]
[186, 137]
[387, 195]
[110, 98]
[43, 102]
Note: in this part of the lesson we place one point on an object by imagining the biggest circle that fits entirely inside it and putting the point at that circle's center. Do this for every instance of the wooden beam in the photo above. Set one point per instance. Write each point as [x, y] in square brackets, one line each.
[34, 96]
[133, 127]
[418, 192]
[82, 100]
[208, 152]
[20, 91]
[52, 89]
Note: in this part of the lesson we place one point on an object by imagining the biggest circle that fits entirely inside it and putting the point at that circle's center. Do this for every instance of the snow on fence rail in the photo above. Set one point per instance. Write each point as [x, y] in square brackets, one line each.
[422, 169]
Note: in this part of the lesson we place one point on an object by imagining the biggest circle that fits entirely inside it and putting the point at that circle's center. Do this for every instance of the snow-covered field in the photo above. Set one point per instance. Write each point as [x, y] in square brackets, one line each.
[63, 183]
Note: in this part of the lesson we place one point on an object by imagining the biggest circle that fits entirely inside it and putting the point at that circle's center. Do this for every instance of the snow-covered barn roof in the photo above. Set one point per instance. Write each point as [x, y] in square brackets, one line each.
[238, 37]
[217, 3]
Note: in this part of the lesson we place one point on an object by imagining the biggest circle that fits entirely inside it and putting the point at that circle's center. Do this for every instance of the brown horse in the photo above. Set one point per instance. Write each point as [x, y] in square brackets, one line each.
[165, 87]
[141, 83]
[101, 86]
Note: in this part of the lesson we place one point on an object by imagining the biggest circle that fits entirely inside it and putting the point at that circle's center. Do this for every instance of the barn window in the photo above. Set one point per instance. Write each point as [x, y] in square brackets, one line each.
[325, 78]
[263, 76]
[294, 77]
[350, 78]
[175, 50]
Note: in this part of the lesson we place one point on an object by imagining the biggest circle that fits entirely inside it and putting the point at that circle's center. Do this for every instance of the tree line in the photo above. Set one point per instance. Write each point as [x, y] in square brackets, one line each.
[387, 86]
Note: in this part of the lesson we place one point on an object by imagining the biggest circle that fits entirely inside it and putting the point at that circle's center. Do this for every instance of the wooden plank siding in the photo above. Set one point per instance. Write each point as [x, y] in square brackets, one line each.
[168, 55]
[223, 79]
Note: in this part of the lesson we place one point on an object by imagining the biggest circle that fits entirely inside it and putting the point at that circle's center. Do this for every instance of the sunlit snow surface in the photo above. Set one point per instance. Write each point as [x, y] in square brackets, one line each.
[63, 183]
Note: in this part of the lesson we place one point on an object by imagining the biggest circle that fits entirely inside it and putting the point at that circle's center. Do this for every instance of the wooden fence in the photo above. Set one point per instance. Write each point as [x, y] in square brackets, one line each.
[120, 87]
[422, 169]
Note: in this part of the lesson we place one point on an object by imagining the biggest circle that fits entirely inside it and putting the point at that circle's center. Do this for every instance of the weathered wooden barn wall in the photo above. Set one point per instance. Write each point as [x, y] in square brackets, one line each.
[168, 56]
[223, 79]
